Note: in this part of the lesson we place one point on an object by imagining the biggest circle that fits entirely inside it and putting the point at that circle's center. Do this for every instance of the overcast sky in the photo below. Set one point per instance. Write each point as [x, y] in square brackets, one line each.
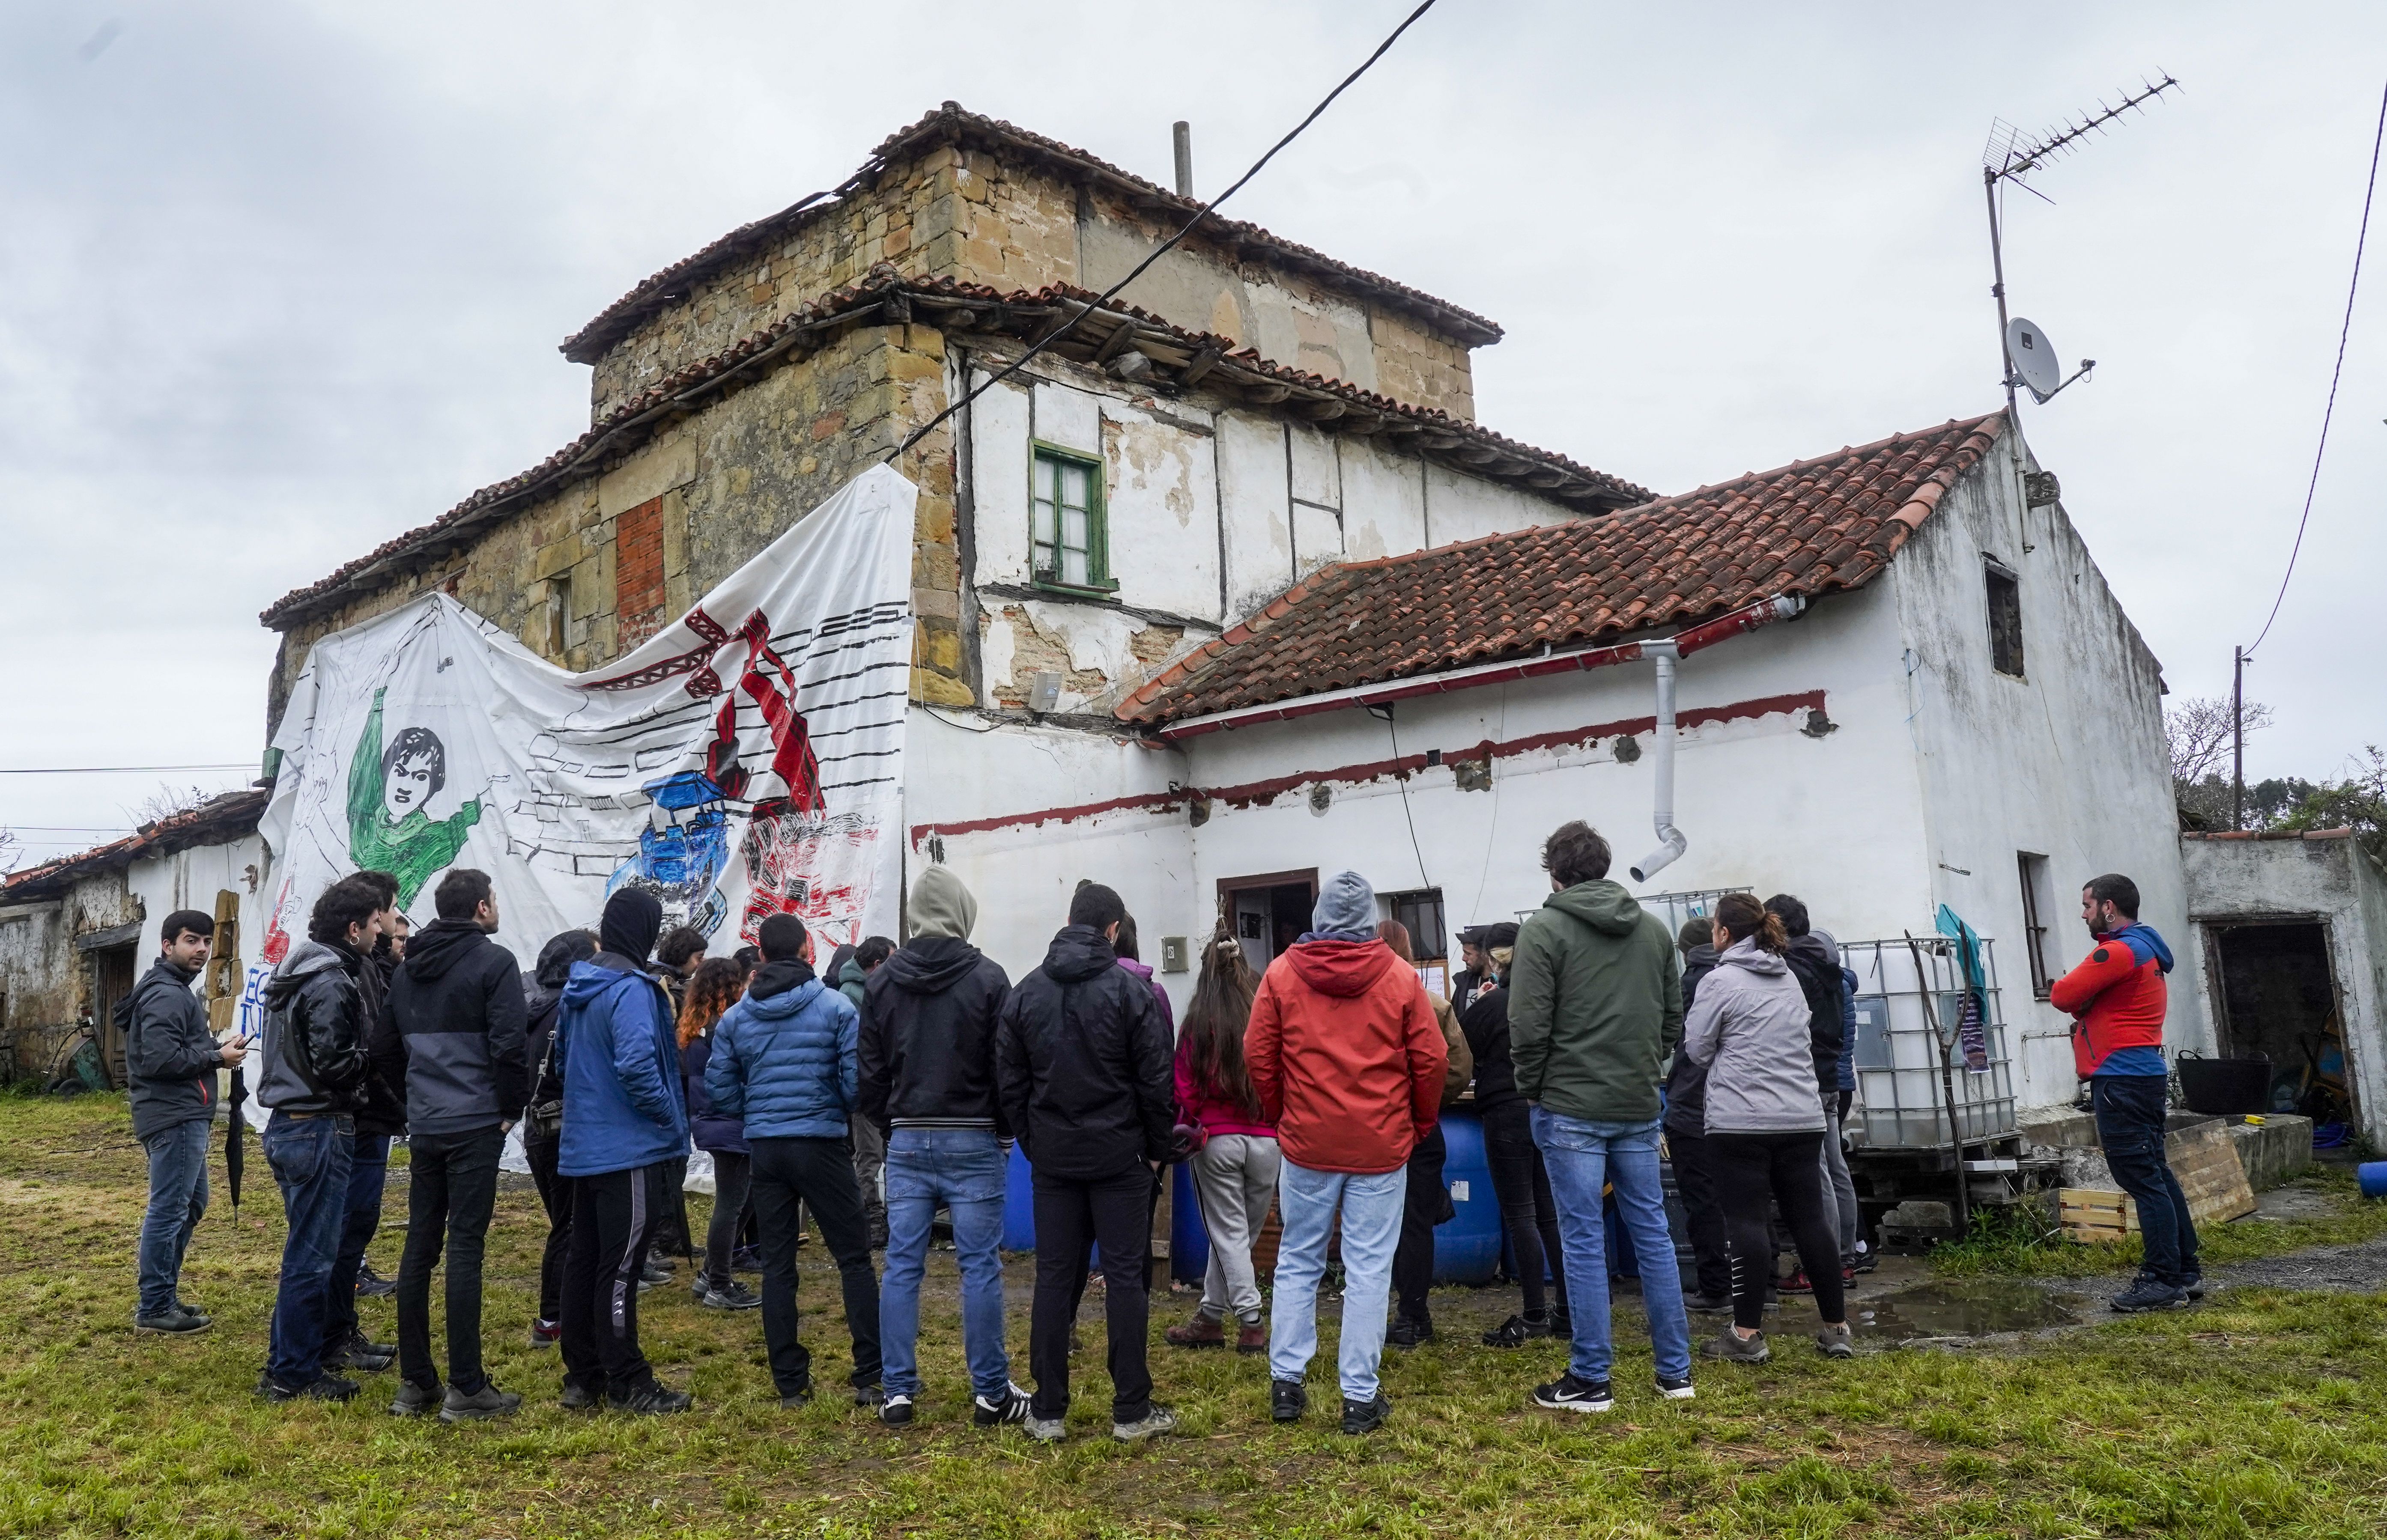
[278, 280]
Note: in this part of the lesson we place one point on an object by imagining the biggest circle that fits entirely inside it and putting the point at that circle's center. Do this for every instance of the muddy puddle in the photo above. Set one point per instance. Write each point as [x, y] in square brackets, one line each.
[1963, 1308]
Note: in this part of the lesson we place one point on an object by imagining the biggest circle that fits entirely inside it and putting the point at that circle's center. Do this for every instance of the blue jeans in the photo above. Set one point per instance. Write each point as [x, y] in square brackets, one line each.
[963, 1168]
[178, 1195]
[2130, 1128]
[1371, 1229]
[1584, 1157]
[367, 1174]
[310, 1157]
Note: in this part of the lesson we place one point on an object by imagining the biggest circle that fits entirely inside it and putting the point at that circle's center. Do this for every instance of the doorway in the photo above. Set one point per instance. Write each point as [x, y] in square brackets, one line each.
[2279, 999]
[111, 980]
[1267, 912]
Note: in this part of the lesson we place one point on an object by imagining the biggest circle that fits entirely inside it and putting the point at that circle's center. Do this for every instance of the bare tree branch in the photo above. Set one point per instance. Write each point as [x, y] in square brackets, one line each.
[2198, 733]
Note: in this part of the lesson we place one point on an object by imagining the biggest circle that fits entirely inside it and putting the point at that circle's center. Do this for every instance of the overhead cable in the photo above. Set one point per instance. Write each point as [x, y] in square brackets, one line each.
[2369, 189]
[973, 393]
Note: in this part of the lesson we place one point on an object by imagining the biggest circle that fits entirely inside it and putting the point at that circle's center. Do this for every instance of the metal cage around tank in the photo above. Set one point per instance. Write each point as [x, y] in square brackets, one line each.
[1901, 1097]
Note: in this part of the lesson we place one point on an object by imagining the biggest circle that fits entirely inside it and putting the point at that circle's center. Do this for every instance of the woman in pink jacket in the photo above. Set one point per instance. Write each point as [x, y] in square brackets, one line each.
[1235, 1170]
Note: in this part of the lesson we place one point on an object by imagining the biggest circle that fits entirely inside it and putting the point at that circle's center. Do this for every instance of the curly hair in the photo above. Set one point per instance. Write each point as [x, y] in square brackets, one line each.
[717, 986]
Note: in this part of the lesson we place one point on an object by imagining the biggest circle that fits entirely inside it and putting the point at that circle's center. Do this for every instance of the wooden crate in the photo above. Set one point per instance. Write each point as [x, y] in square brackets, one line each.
[2204, 1160]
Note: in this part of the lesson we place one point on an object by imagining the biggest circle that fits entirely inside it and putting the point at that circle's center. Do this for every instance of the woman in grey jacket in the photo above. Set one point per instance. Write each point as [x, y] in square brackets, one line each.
[1749, 1031]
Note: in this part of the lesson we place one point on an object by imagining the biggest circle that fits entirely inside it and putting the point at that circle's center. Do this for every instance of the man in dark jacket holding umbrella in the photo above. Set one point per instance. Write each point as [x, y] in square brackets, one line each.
[926, 1078]
[171, 1061]
[312, 1083]
[1084, 1066]
[457, 1004]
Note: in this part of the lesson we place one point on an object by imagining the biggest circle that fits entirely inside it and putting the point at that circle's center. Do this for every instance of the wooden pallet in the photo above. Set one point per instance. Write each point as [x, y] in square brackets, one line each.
[2204, 1159]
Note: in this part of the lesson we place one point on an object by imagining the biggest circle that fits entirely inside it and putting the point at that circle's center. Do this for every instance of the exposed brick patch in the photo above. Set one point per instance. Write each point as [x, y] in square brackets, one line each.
[638, 572]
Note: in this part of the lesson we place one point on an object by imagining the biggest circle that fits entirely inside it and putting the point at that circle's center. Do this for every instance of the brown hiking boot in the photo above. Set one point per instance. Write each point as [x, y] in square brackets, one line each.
[1201, 1331]
[1251, 1337]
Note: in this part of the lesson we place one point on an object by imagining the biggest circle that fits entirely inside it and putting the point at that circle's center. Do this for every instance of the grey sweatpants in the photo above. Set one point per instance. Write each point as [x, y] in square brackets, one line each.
[1235, 1175]
[1845, 1222]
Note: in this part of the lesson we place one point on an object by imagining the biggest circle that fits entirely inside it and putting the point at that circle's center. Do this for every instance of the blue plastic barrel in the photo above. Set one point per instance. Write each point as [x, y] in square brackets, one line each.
[2372, 1175]
[1189, 1239]
[1467, 1250]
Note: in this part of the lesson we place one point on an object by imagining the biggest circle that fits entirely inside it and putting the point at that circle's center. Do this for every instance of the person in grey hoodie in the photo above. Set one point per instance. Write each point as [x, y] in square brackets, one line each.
[1748, 1031]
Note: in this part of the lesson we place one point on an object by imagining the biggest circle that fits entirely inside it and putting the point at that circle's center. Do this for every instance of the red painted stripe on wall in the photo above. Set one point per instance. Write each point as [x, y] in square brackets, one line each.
[1264, 791]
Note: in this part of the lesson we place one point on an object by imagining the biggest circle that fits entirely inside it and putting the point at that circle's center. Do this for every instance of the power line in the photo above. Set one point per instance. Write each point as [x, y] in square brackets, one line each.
[121, 769]
[1170, 244]
[2369, 189]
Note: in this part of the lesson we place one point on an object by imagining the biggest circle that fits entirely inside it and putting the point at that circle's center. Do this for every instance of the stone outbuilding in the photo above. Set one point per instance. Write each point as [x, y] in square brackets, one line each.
[2289, 950]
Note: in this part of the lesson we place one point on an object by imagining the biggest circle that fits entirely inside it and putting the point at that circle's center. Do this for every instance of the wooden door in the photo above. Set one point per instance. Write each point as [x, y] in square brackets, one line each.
[111, 980]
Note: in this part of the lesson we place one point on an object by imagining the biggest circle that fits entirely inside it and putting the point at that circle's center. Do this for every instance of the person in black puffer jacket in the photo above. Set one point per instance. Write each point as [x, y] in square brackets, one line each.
[1084, 1069]
[312, 1084]
[1687, 1138]
[542, 998]
[927, 1081]
[1522, 1183]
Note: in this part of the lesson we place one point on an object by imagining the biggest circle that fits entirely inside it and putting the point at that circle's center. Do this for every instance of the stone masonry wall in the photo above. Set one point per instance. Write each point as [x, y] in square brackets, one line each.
[585, 574]
[972, 217]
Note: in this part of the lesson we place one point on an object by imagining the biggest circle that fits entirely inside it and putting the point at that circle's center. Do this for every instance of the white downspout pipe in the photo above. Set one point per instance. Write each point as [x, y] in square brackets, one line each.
[1671, 841]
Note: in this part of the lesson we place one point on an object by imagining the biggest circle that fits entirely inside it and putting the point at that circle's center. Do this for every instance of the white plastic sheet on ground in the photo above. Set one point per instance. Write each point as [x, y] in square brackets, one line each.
[745, 760]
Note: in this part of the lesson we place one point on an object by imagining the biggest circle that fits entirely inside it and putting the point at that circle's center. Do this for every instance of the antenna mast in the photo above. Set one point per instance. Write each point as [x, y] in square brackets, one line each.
[2011, 157]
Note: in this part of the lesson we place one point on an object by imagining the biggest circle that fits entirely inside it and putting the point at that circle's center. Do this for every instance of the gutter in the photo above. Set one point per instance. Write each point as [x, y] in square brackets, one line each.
[1681, 644]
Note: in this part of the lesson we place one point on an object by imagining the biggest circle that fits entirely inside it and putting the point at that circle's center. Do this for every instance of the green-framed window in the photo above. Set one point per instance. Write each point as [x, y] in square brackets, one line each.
[1070, 544]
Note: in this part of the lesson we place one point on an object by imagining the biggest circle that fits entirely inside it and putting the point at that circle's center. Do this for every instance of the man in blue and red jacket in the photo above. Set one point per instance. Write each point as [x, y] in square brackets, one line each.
[2117, 998]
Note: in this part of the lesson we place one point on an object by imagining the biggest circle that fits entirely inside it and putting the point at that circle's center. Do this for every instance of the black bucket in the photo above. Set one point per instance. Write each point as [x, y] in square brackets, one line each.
[2225, 1087]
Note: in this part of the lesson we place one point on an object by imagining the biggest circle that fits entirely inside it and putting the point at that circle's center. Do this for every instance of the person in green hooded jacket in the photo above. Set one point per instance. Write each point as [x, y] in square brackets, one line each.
[1595, 1005]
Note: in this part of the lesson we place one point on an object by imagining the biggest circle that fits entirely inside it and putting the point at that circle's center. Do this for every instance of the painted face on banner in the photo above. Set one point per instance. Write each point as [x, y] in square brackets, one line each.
[409, 786]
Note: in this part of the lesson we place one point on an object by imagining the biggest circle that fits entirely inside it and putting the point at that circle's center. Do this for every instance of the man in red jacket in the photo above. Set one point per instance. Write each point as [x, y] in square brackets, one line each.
[1348, 1061]
[2117, 998]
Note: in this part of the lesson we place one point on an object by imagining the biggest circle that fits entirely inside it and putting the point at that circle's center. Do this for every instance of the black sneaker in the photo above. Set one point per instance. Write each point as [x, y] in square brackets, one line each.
[577, 1397]
[1568, 1394]
[2192, 1286]
[656, 1400]
[896, 1410]
[372, 1285]
[1405, 1333]
[1672, 1389]
[1705, 1304]
[732, 1295]
[870, 1398]
[988, 1411]
[793, 1400]
[1366, 1417]
[415, 1401]
[1287, 1400]
[1516, 1331]
[482, 1404]
[192, 1310]
[2149, 1293]
[327, 1387]
[746, 1259]
[177, 1321]
[656, 1271]
[360, 1352]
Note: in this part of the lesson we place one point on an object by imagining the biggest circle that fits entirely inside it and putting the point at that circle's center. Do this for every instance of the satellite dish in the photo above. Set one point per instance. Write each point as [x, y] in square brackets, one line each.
[2034, 358]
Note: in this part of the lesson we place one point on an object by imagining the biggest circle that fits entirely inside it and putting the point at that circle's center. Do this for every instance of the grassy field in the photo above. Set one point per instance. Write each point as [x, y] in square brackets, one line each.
[2259, 1414]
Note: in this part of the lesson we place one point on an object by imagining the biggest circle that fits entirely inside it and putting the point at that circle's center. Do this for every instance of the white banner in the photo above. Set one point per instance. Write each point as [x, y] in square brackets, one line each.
[746, 760]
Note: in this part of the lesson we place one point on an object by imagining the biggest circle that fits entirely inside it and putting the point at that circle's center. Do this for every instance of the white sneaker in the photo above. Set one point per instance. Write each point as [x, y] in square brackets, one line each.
[1044, 1429]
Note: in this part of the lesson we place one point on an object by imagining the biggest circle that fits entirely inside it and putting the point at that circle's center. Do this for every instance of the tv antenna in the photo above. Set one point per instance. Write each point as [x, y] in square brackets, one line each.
[2010, 156]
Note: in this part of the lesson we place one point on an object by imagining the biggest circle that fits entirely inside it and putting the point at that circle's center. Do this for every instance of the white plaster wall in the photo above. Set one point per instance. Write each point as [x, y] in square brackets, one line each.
[2329, 880]
[1255, 501]
[1461, 508]
[2068, 762]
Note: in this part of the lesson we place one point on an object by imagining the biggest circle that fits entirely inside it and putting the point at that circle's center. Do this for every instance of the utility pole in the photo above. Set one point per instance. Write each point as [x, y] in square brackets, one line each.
[2238, 738]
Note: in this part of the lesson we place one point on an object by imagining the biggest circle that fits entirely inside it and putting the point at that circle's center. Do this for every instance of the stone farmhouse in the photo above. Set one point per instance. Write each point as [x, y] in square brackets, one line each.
[1228, 590]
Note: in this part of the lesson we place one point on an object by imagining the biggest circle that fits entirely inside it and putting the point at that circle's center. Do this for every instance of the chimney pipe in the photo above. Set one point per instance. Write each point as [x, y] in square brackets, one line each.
[1182, 132]
[1671, 841]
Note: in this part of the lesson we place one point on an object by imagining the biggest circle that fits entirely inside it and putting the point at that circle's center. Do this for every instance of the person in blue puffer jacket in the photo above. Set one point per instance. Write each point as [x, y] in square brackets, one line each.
[783, 1060]
[625, 1121]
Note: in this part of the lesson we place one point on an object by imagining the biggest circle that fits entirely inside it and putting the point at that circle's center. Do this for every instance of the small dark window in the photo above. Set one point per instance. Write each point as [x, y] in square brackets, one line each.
[2036, 902]
[2005, 622]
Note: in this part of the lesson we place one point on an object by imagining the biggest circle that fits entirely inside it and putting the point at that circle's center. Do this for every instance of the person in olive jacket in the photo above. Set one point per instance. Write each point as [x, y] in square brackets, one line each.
[1084, 1064]
[1595, 1004]
[171, 1061]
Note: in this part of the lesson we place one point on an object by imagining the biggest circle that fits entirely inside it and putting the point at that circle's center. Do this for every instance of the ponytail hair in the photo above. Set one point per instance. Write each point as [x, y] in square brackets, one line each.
[1750, 920]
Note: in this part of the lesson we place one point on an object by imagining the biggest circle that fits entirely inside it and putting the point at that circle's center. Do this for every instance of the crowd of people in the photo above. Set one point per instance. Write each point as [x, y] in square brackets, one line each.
[885, 1085]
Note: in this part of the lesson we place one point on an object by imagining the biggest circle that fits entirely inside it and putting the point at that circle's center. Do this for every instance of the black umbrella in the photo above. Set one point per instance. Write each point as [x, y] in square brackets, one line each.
[235, 1140]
